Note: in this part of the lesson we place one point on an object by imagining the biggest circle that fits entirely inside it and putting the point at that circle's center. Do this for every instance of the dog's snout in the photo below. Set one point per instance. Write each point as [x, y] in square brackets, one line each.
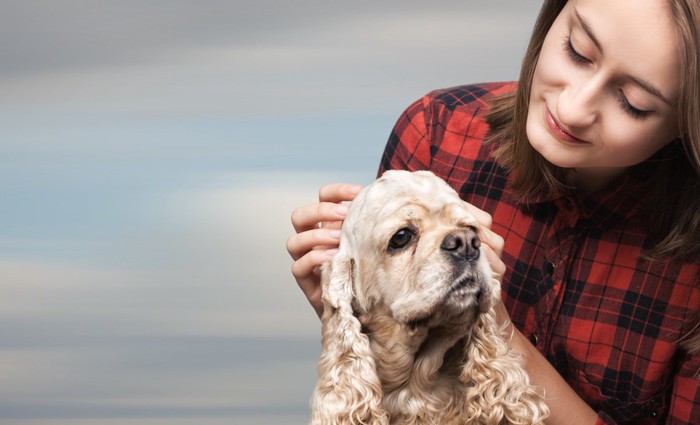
[462, 245]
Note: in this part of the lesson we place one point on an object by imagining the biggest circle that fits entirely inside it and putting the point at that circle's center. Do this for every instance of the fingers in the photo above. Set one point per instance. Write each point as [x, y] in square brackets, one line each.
[338, 192]
[493, 240]
[487, 236]
[492, 243]
[306, 266]
[484, 218]
[329, 208]
[306, 271]
[318, 239]
[308, 217]
[317, 236]
[498, 267]
[492, 246]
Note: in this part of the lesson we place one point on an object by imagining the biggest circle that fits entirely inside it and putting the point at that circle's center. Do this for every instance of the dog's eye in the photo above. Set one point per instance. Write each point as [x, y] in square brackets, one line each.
[401, 238]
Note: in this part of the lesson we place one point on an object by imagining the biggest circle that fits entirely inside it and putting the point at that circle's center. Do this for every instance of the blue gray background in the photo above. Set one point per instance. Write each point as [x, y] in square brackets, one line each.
[150, 155]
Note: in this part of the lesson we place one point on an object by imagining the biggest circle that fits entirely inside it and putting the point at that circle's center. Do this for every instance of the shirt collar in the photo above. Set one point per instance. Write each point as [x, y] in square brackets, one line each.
[624, 198]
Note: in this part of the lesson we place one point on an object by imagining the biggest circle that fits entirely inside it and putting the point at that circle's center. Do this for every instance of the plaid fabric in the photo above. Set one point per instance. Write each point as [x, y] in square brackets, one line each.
[576, 284]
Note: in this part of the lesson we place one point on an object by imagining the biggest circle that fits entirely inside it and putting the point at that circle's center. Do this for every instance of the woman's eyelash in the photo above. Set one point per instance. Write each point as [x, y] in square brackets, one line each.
[573, 54]
[631, 110]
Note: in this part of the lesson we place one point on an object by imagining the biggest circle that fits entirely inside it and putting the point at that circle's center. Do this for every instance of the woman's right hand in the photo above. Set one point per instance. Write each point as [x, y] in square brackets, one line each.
[317, 235]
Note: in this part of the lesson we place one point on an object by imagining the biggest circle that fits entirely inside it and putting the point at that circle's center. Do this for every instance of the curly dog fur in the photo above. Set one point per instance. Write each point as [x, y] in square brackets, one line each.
[409, 329]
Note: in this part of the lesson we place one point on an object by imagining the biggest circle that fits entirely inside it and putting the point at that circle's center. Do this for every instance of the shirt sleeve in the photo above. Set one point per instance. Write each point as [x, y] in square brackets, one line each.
[408, 147]
[685, 397]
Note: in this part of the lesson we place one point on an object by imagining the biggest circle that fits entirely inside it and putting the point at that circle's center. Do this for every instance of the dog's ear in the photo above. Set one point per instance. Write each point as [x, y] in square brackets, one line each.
[498, 389]
[348, 389]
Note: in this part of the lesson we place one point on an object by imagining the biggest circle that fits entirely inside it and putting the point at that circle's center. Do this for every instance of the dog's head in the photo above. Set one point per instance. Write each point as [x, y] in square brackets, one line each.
[414, 248]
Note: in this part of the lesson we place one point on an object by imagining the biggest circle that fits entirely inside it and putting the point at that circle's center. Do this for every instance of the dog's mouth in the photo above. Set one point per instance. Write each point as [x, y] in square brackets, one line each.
[466, 286]
[461, 284]
[466, 292]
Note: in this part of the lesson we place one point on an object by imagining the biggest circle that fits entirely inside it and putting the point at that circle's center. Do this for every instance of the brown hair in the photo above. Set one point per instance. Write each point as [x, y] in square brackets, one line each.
[691, 339]
[676, 182]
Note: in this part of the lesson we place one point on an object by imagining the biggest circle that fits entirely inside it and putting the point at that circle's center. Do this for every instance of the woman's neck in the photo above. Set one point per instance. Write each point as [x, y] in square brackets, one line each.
[594, 179]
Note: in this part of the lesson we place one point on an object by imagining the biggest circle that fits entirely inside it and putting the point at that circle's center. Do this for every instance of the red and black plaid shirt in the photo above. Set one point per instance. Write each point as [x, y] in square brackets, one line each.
[576, 283]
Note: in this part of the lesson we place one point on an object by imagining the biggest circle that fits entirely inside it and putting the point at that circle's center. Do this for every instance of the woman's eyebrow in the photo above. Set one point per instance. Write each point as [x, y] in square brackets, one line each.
[587, 28]
[648, 87]
[653, 91]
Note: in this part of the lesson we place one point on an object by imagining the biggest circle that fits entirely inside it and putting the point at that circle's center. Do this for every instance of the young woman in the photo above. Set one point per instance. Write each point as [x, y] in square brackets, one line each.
[587, 173]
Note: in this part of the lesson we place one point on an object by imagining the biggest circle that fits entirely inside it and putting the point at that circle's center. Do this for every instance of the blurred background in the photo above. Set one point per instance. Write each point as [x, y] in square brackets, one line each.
[150, 155]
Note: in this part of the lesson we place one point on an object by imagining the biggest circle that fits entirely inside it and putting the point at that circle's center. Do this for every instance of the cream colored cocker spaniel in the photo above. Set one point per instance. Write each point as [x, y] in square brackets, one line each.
[409, 329]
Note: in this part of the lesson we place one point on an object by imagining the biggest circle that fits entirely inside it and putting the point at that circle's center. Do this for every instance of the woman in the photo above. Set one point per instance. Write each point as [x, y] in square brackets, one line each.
[587, 172]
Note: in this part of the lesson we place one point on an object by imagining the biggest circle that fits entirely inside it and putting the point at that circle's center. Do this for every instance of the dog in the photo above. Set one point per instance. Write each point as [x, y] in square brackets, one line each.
[409, 333]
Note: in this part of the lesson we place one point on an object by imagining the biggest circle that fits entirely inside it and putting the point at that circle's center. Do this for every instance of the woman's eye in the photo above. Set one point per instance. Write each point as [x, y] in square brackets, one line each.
[631, 110]
[401, 238]
[573, 54]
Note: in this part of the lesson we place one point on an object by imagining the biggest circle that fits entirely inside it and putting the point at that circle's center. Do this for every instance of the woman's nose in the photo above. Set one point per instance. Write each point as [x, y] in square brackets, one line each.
[578, 103]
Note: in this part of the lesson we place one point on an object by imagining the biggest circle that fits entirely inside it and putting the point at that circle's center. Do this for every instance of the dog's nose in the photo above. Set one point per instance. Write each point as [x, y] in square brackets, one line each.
[462, 245]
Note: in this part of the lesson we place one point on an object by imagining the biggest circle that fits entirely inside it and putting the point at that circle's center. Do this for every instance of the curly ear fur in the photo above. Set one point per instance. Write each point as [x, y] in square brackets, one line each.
[498, 390]
[348, 390]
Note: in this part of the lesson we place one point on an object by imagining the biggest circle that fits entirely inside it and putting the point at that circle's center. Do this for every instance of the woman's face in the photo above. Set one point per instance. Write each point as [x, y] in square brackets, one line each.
[605, 87]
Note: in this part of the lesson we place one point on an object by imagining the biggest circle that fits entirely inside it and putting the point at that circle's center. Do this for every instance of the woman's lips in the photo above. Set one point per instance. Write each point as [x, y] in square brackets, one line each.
[558, 132]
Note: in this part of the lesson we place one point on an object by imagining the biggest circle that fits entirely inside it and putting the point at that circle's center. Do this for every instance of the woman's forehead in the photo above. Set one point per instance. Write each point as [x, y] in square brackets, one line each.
[637, 37]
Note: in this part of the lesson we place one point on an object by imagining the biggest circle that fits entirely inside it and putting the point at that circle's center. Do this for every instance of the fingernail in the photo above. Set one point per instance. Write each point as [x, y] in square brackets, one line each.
[331, 252]
[335, 234]
[354, 189]
[342, 209]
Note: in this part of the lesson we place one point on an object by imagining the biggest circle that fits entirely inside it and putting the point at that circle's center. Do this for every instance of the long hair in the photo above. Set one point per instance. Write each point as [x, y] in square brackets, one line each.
[675, 227]
[691, 339]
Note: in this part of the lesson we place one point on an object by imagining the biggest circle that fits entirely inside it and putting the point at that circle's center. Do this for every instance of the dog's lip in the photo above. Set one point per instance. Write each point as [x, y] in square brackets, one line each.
[470, 287]
[469, 284]
[461, 283]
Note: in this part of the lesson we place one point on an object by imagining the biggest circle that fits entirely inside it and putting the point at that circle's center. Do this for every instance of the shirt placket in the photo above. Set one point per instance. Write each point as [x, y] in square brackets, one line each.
[558, 249]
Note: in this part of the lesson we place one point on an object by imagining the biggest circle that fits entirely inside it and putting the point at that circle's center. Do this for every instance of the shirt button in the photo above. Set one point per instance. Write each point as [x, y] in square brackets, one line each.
[550, 268]
[653, 405]
[534, 339]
